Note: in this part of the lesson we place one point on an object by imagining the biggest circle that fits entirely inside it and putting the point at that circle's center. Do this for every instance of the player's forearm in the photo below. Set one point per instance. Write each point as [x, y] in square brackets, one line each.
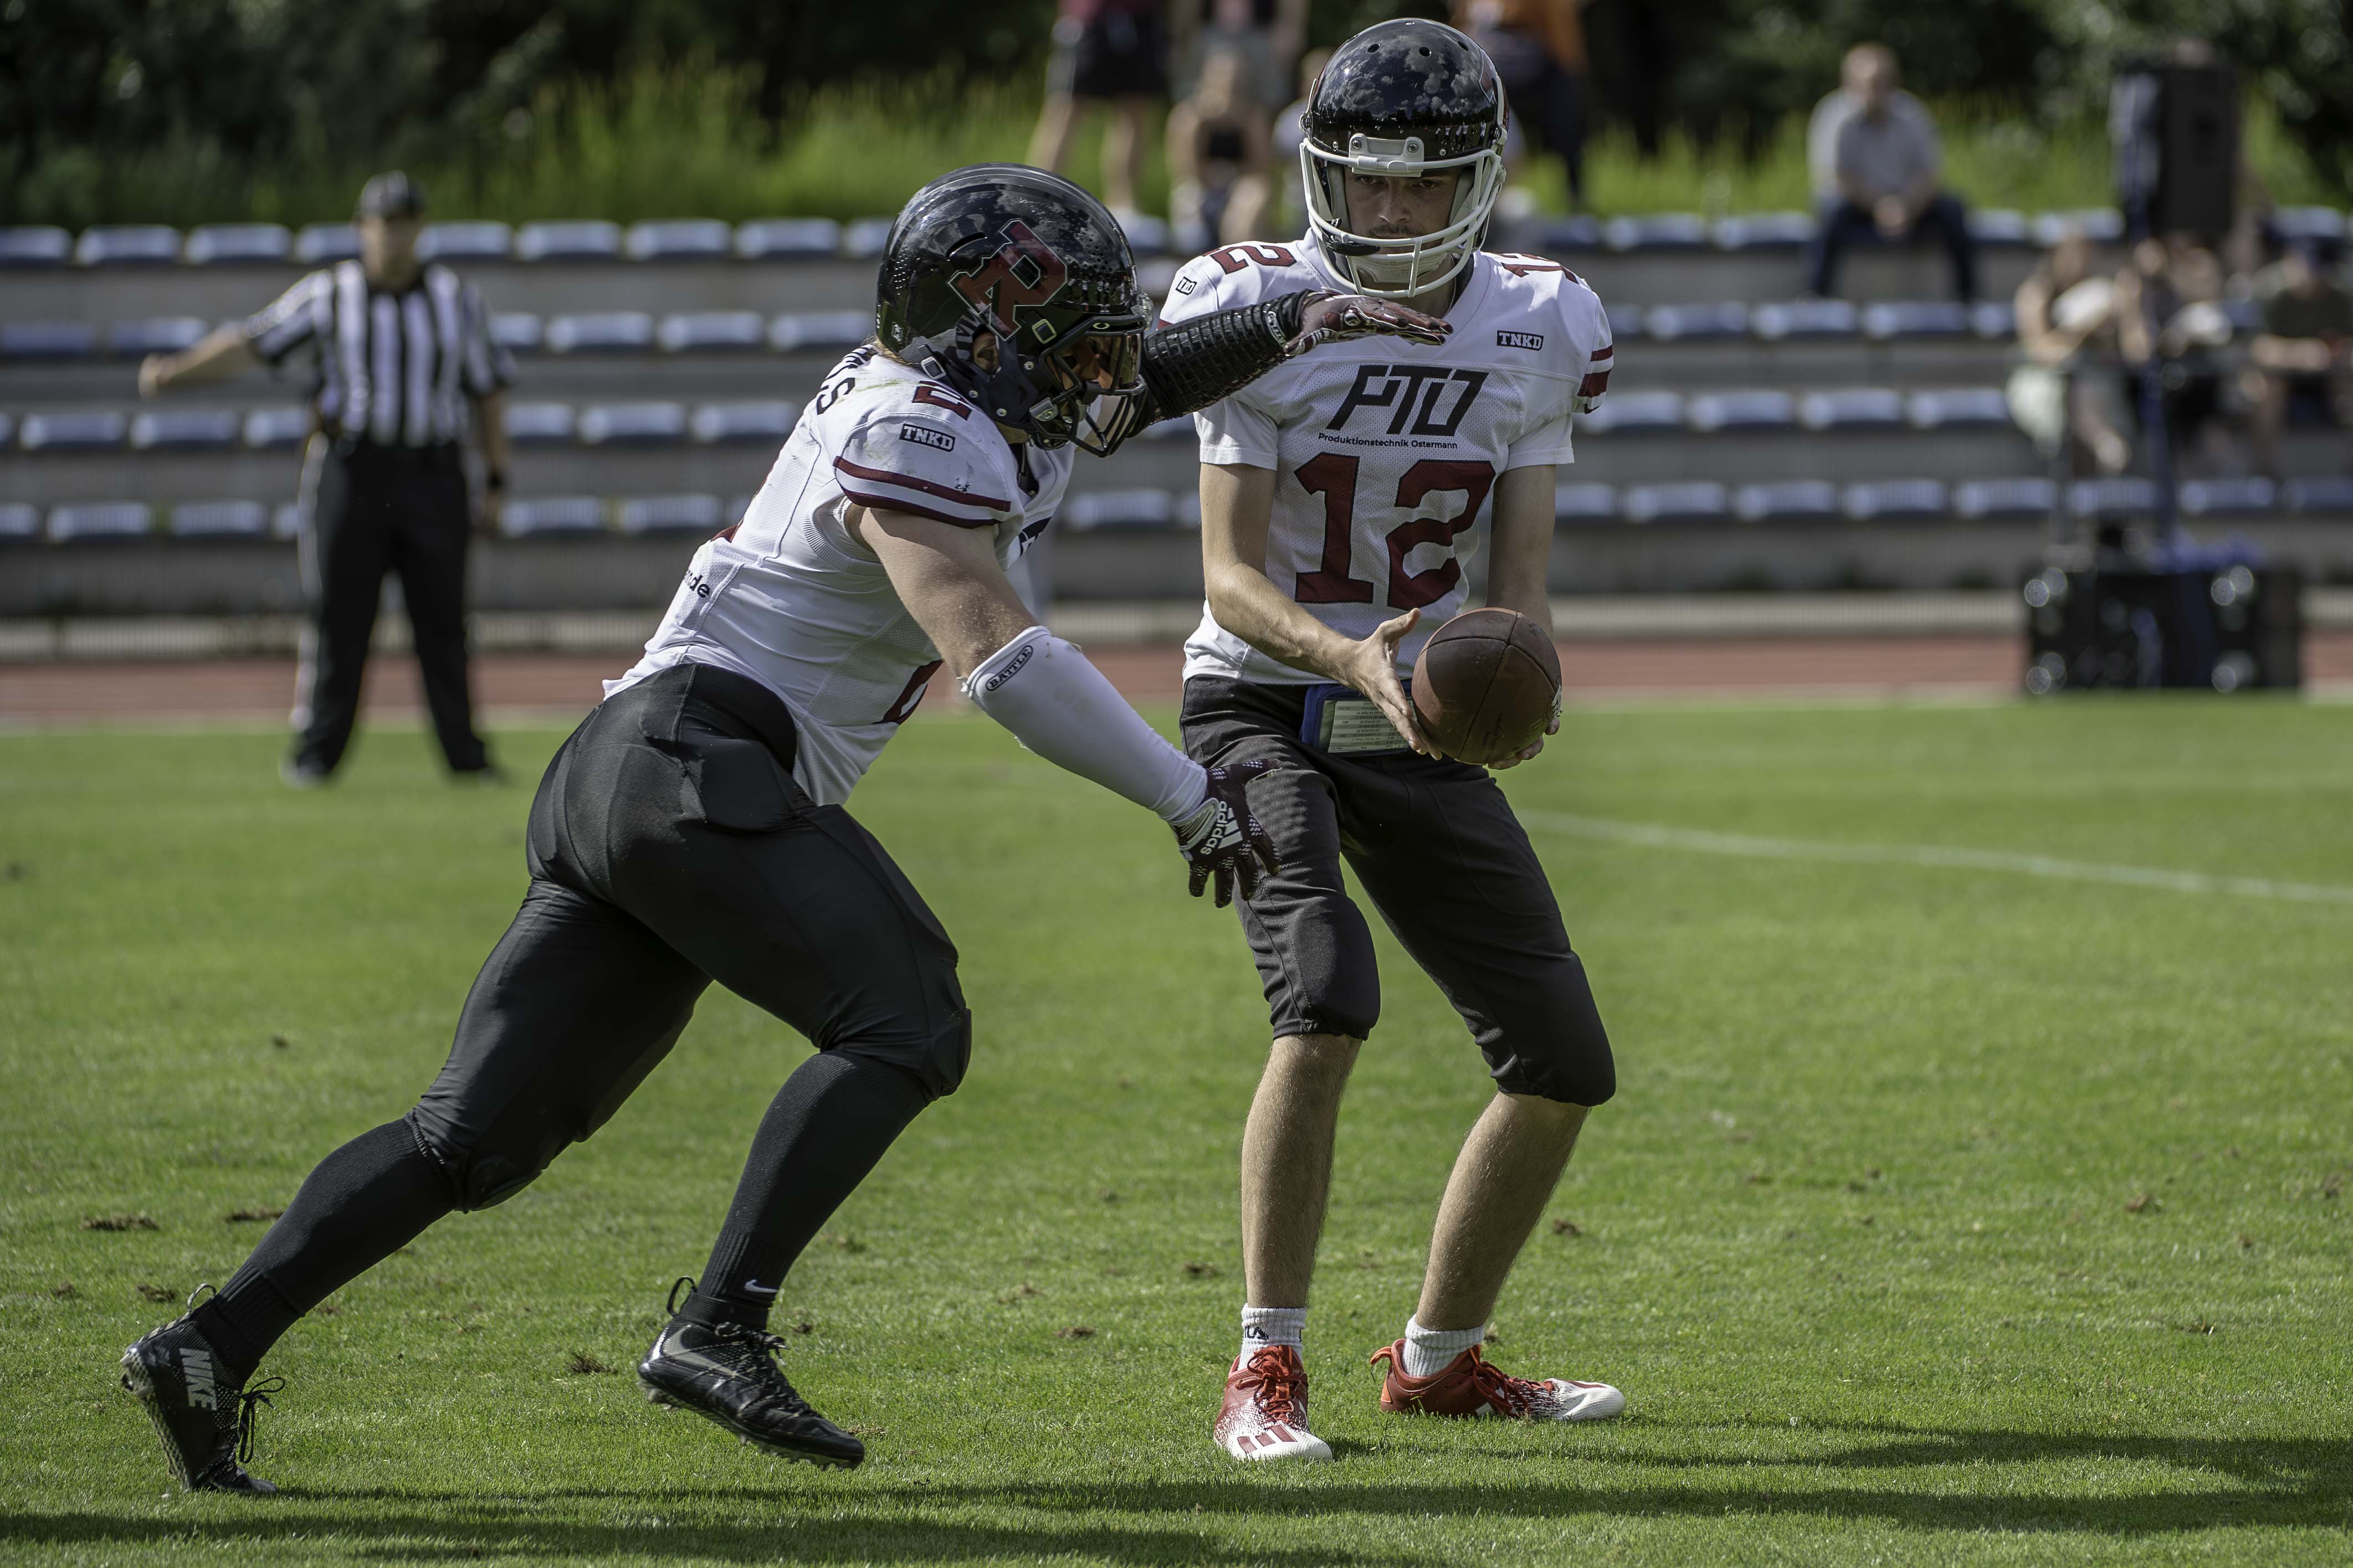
[1057, 704]
[1247, 603]
[1195, 364]
[1520, 558]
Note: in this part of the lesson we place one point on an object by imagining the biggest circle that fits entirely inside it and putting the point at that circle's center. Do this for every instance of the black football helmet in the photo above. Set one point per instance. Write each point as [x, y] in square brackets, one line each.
[1404, 99]
[1034, 261]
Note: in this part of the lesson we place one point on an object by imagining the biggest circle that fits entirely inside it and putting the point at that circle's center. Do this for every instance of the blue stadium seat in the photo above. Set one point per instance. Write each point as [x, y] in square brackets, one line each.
[1786, 501]
[827, 332]
[2227, 498]
[185, 430]
[601, 331]
[737, 507]
[473, 241]
[1188, 512]
[1118, 509]
[633, 425]
[100, 431]
[1995, 321]
[517, 332]
[865, 237]
[744, 424]
[99, 519]
[1625, 321]
[1146, 235]
[1764, 231]
[34, 245]
[158, 336]
[1895, 501]
[7, 428]
[2321, 225]
[1691, 501]
[127, 245]
[1957, 408]
[552, 514]
[1761, 410]
[2123, 496]
[1725, 319]
[2333, 493]
[1584, 504]
[219, 519]
[2102, 226]
[1635, 411]
[1656, 231]
[577, 239]
[1803, 319]
[47, 340]
[2244, 315]
[1180, 428]
[286, 520]
[540, 424]
[2004, 500]
[320, 243]
[275, 429]
[1852, 408]
[1896, 319]
[709, 331]
[1565, 236]
[680, 239]
[239, 245]
[788, 239]
[2003, 226]
[19, 521]
[693, 514]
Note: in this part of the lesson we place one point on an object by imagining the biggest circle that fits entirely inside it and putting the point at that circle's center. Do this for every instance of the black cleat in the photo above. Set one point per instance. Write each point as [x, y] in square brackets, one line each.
[205, 1419]
[725, 1374]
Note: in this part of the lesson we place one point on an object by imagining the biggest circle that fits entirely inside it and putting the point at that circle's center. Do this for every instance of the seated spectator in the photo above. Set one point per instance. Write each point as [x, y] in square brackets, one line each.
[2068, 387]
[2169, 311]
[1878, 173]
[1538, 47]
[1219, 191]
[1111, 54]
[2301, 364]
[1289, 132]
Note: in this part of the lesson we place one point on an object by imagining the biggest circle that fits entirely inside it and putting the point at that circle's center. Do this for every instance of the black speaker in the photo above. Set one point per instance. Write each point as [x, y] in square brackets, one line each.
[2225, 628]
[2177, 145]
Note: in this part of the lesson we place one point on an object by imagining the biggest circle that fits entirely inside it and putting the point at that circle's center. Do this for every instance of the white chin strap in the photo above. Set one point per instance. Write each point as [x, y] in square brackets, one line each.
[1398, 269]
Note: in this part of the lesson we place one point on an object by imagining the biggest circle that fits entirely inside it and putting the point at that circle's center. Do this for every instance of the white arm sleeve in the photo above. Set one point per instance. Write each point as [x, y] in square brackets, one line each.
[1060, 706]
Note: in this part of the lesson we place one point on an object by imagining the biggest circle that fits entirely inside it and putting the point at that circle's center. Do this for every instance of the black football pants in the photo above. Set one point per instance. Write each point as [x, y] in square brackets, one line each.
[377, 510]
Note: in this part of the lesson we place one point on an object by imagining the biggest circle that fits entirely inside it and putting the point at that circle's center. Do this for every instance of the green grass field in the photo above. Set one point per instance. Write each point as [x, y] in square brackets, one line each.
[1947, 1214]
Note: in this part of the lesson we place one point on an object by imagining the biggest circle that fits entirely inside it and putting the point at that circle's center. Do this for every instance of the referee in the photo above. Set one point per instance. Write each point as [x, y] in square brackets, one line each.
[401, 363]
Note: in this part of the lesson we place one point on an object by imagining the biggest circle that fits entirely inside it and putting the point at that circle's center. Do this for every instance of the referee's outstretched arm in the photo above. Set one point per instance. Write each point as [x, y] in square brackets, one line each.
[223, 352]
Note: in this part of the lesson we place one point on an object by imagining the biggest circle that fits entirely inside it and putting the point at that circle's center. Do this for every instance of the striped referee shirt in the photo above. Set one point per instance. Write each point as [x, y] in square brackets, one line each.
[395, 368]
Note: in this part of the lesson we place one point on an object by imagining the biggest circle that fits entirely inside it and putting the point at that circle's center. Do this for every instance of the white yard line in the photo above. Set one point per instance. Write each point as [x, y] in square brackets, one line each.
[1657, 836]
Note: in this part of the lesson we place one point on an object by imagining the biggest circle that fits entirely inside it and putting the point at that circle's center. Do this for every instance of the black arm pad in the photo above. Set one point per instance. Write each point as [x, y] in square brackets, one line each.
[1194, 363]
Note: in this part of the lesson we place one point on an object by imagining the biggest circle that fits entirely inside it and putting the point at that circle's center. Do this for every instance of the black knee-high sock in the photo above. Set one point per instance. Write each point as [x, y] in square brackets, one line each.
[827, 1128]
[361, 1204]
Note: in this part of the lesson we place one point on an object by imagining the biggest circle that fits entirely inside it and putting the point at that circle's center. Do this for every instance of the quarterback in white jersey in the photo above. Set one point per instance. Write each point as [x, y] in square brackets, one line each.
[1341, 499]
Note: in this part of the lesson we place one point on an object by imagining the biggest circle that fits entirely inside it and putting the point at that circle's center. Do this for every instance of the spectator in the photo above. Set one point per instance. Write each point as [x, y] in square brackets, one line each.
[1267, 35]
[2168, 308]
[1538, 47]
[1217, 158]
[1877, 172]
[2068, 387]
[2301, 364]
[1112, 54]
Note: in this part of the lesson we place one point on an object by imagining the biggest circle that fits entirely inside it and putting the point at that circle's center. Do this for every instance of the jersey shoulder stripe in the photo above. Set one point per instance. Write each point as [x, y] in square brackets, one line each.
[1237, 274]
[907, 492]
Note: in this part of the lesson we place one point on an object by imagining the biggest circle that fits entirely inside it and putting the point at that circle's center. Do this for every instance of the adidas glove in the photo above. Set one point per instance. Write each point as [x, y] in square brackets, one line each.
[1222, 839]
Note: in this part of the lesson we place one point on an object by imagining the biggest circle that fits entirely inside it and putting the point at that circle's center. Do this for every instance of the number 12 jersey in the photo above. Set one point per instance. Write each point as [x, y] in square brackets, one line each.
[1385, 451]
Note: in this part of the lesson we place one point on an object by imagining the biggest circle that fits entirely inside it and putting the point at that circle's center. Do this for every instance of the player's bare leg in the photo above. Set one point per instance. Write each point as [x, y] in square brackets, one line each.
[1286, 1181]
[1122, 154]
[1051, 139]
[1502, 1182]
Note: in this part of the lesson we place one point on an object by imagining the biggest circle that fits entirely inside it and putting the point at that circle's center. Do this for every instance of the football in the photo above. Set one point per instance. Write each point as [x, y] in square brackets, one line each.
[1485, 685]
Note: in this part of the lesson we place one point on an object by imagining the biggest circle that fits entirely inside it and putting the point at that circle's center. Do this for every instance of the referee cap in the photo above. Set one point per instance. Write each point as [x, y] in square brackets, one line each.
[391, 195]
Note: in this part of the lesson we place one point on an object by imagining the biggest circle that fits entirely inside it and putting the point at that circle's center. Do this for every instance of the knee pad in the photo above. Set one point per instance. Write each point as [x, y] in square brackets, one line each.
[480, 1178]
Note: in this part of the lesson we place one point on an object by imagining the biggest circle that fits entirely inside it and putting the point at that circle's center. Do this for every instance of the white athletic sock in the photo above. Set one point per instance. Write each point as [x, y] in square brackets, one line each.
[1428, 1351]
[1264, 1326]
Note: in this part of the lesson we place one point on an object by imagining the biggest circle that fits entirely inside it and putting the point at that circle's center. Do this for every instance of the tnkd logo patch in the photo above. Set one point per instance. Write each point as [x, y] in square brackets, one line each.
[923, 436]
[1519, 339]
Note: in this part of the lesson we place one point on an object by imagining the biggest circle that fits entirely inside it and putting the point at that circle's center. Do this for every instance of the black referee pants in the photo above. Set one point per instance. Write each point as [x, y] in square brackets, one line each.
[378, 510]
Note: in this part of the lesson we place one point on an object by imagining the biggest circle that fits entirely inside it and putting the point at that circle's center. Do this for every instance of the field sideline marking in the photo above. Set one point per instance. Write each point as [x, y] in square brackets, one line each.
[1657, 836]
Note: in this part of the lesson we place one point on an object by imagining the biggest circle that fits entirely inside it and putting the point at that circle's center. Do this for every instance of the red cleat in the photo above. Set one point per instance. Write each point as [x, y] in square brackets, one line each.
[1471, 1384]
[1265, 1412]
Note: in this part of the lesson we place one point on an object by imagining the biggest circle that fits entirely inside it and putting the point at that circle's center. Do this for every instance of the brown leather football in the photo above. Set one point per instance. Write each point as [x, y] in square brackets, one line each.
[1485, 685]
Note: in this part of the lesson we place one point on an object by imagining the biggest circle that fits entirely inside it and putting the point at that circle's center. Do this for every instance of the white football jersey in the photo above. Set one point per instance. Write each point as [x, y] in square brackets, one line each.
[792, 599]
[1385, 450]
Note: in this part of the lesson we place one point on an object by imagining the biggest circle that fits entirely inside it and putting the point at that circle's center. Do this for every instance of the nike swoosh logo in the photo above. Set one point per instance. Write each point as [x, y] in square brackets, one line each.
[762, 1290]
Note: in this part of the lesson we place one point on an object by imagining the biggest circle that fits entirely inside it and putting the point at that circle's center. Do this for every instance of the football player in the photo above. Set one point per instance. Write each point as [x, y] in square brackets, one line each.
[691, 829]
[1341, 497]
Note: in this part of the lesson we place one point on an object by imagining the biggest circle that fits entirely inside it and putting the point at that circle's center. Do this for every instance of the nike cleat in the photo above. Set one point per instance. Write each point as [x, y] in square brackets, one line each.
[205, 1419]
[1471, 1384]
[1265, 1412]
[726, 1373]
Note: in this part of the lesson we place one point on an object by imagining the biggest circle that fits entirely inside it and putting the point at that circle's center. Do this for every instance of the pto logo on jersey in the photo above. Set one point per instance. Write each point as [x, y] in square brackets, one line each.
[1531, 341]
[922, 436]
[1424, 400]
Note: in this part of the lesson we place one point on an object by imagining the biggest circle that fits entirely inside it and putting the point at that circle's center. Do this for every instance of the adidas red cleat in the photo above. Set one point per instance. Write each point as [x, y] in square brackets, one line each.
[1265, 1412]
[1471, 1384]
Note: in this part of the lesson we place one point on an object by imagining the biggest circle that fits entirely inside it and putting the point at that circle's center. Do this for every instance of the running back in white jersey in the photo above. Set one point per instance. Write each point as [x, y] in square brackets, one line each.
[792, 599]
[1386, 450]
